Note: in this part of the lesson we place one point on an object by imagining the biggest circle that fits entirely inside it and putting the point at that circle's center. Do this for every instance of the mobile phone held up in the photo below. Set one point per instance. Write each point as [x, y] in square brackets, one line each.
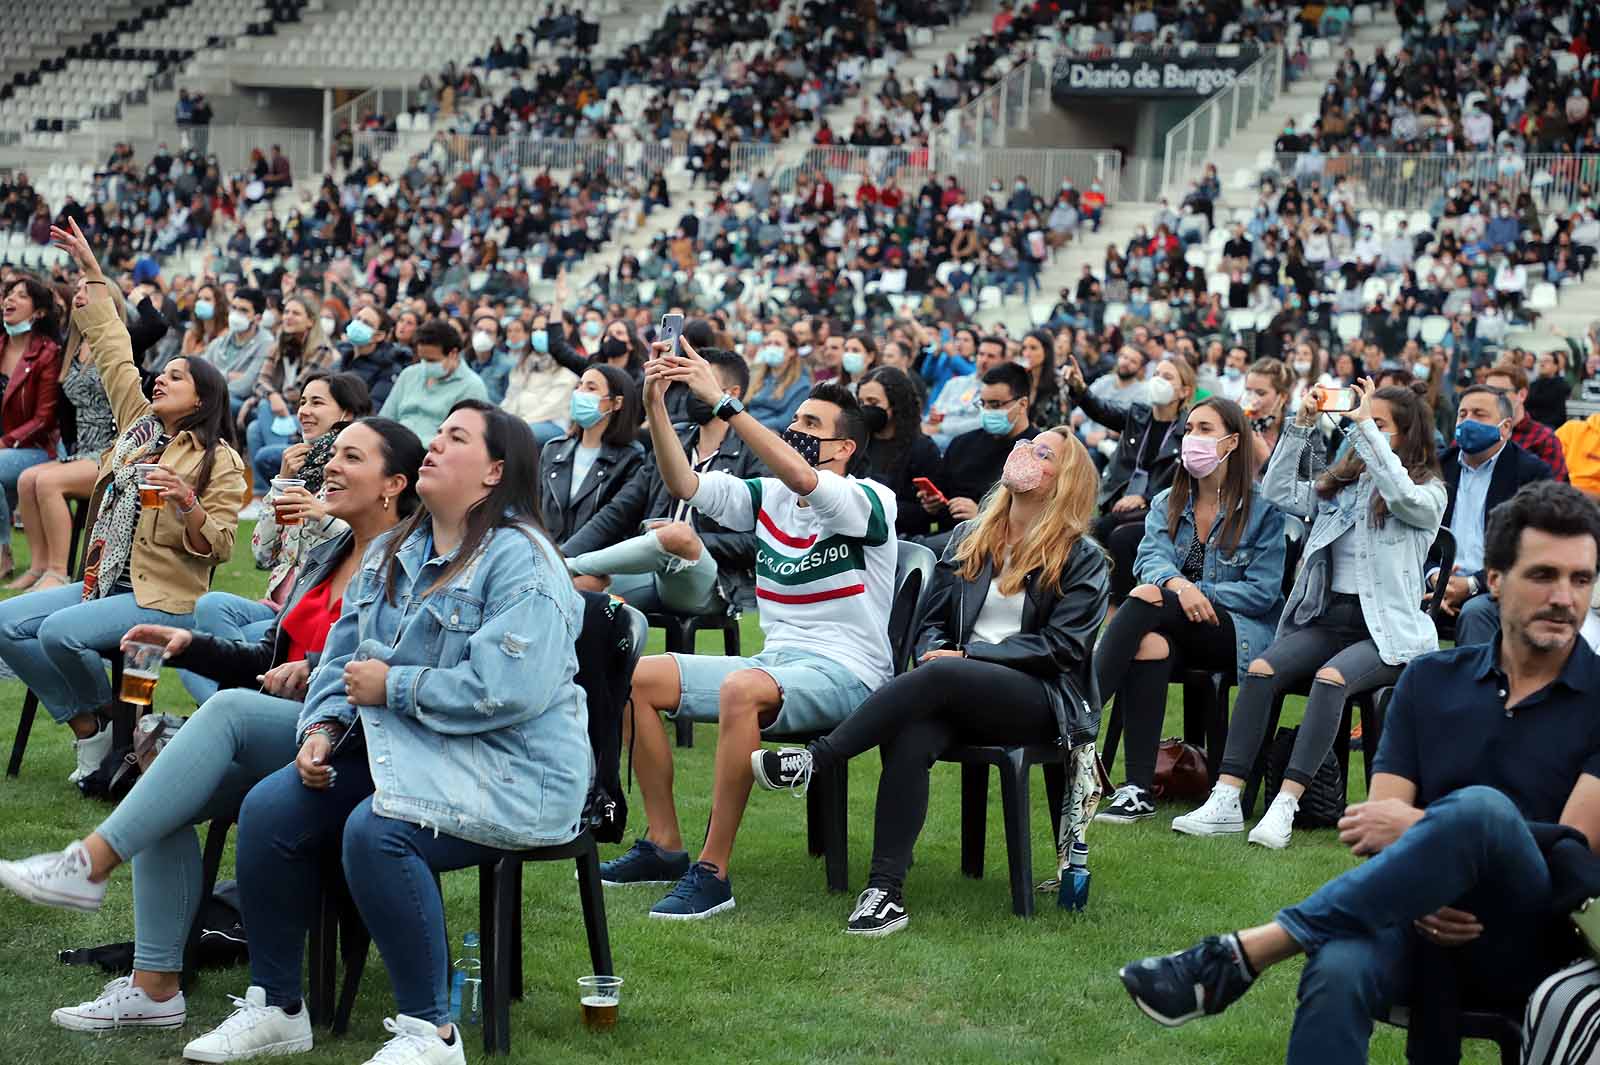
[926, 487]
[1338, 400]
[671, 330]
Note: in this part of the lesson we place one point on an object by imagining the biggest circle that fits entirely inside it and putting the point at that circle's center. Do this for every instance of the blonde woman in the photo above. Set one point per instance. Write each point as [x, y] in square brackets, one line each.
[1004, 656]
[779, 381]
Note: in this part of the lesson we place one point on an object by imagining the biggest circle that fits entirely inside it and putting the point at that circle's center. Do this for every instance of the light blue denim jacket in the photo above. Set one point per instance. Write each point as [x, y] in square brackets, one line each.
[1392, 558]
[484, 735]
[1247, 581]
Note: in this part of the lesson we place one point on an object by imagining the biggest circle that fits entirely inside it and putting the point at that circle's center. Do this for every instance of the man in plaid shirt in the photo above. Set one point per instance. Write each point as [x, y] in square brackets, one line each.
[1536, 438]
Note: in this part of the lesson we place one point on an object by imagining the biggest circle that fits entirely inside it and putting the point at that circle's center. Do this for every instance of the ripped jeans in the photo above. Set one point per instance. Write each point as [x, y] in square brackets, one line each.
[648, 577]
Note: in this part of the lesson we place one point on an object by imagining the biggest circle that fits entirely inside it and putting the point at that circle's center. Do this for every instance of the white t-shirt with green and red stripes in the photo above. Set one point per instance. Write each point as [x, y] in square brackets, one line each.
[824, 563]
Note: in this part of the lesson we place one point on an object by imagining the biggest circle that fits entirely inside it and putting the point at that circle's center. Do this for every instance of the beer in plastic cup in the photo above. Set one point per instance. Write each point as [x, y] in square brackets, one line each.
[149, 494]
[598, 997]
[141, 667]
[280, 485]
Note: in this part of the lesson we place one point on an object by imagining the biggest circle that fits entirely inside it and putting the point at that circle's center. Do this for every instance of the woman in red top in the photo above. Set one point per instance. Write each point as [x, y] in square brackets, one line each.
[30, 364]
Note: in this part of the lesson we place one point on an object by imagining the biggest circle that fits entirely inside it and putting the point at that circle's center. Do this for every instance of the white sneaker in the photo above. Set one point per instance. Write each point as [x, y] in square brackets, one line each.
[1277, 825]
[91, 752]
[1219, 815]
[60, 879]
[253, 1029]
[121, 1005]
[417, 1042]
[252, 510]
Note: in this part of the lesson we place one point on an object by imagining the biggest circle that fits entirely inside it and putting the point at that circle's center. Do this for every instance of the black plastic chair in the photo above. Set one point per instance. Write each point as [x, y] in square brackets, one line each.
[681, 630]
[1491, 1026]
[1205, 717]
[1015, 765]
[210, 867]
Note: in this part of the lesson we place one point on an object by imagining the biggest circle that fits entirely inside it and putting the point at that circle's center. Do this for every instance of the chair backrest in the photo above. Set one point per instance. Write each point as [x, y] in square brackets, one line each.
[610, 643]
[1444, 546]
[913, 581]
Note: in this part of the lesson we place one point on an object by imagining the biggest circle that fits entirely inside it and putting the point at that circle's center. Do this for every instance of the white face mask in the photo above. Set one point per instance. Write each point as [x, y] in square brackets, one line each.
[482, 342]
[238, 321]
[328, 324]
[1161, 392]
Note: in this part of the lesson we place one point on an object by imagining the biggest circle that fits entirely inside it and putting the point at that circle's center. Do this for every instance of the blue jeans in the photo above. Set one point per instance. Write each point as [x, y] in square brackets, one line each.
[1479, 621]
[284, 829]
[228, 617]
[266, 447]
[234, 740]
[56, 644]
[13, 460]
[1472, 851]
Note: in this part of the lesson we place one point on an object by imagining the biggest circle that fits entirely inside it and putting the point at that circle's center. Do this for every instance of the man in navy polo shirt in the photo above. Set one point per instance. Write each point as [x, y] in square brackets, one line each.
[1481, 743]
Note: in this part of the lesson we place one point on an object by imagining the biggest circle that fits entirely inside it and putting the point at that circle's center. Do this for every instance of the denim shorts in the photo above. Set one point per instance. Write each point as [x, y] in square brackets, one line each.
[817, 693]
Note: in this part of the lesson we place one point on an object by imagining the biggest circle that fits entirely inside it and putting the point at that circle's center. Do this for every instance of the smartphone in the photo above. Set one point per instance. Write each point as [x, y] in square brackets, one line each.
[925, 486]
[671, 330]
[1338, 400]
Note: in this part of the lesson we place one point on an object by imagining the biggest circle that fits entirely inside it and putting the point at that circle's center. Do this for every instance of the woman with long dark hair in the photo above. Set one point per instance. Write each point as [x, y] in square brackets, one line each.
[268, 417]
[1210, 569]
[897, 450]
[583, 471]
[456, 651]
[1046, 405]
[235, 739]
[208, 318]
[30, 363]
[1352, 620]
[143, 565]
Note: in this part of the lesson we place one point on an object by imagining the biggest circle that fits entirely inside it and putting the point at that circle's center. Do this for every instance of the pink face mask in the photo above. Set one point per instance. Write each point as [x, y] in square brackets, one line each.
[1200, 456]
[1023, 471]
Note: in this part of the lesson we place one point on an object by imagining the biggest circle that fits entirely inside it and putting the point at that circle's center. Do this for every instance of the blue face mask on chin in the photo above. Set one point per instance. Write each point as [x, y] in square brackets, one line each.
[1473, 437]
[996, 422]
[20, 328]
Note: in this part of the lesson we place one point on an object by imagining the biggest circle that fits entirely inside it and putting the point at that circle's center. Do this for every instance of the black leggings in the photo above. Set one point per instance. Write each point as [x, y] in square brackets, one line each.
[914, 719]
[1120, 534]
[1141, 687]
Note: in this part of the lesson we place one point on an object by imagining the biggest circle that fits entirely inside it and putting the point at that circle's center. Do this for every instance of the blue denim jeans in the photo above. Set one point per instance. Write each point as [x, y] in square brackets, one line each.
[266, 447]
[1472, 851]
[284, 829]
[229, 617]
[56, 644]
[13, 460]
[234, 740]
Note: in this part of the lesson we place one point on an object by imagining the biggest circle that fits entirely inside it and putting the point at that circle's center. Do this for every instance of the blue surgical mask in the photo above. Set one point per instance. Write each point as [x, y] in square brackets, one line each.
[996, 422]
[284, 424]
[586, 409]
[853, 362]
[21, 328]
[1474, 437]
[204, 309]
[432, 370]
[1232, 373]
[517, 345]
[540, 340]
[592, 327]
[753, 338]
[771, 355]
[358, 332]
[1421, 370]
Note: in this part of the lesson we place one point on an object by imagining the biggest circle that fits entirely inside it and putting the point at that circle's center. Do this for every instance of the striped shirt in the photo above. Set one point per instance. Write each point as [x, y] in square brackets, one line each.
[825, 564]
[1563, 1021]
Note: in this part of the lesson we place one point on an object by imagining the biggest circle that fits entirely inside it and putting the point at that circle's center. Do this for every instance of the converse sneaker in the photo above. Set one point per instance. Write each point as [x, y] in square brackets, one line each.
[1220, 814]
[60, 879]
[787, 767]
[90, 752]
[701, 893]
[1205, 979]
[417, 1042]
[644, 863]
[878, 913]
[121, 1005]
[253, 1029]
[1277, 825]
[1129, 803]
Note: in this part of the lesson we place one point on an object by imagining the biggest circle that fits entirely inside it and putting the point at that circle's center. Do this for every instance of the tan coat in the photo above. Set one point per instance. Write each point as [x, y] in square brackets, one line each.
[167, 572]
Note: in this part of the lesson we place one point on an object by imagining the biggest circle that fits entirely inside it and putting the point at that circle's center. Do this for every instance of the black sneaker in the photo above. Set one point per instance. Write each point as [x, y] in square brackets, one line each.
[644, 863]
[787, 767]
[877, 913]
[1129, 803]
[1205, 979]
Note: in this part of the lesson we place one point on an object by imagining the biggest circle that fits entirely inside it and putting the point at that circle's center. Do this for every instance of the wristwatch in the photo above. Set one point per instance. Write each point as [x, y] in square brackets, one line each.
[727, 407]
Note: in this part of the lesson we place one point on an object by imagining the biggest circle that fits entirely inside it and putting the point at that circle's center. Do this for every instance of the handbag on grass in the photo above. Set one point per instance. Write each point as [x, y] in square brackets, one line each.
[1323, 803]
[1181, 771]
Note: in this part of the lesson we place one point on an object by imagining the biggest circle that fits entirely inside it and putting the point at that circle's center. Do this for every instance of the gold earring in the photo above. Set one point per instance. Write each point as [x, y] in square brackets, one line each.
[385, 502]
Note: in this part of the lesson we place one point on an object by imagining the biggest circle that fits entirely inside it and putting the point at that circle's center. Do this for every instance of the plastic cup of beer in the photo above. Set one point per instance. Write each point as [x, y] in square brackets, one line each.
[141, 667]
[598, 997]
[149, 494]
[281, 485]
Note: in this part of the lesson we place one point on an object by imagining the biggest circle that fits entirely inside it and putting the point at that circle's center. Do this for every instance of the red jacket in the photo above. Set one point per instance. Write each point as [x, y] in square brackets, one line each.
[28, 410]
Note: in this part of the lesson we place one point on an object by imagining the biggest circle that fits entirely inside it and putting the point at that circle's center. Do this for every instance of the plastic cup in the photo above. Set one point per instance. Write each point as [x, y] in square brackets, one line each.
[141, 668]
[598, 997]
[281, 485]
[149, 494]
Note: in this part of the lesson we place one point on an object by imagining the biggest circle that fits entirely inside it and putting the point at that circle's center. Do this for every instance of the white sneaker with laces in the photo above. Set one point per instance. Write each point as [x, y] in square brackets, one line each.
[121, 1005]
[417, 1042]
[1219, 815]
[90, 753]
[1277, 825]
[253, 510]
[60, 879]
[253, 1029]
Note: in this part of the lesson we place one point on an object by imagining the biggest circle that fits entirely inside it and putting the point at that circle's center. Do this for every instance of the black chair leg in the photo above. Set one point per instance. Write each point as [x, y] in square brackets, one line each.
[355, 940]
[1108, 751]
[1258, 773]
[974, 817]
[1217, 732]
[516, 932]
[591, 894]
[496, 991]
[210, 864]
[1019, 843]
[836, 836]
[30, 708]
[730, 638]
[324, 958]
[816, 819]
[1055, 792]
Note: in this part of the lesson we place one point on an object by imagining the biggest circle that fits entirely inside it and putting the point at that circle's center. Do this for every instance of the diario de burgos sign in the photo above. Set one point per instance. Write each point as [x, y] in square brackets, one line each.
[1178, 76]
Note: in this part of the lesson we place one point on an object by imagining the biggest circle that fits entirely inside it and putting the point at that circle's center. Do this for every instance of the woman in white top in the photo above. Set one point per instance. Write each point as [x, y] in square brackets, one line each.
[539, 390]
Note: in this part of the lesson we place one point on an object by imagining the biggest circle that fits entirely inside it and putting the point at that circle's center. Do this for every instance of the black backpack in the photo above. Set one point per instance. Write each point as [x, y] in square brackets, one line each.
[606, 657]
[222, 939]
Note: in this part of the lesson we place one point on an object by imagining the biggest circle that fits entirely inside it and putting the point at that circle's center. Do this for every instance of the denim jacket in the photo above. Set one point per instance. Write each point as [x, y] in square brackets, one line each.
[1389, 578]
[1247, 581]
[484, 733]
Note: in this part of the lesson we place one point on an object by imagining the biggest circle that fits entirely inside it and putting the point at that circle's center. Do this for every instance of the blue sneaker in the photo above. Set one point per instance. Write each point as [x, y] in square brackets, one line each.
[644, 863]
[1203, 980]
[700, 894]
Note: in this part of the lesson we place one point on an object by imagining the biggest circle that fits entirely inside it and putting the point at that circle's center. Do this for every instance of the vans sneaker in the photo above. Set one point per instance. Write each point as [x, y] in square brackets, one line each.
[878, 913]
[1129, 803]
[787, 767]
[121, 1005]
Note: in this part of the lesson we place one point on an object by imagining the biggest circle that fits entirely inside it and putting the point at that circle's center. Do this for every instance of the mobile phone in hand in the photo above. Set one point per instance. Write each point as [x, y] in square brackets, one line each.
[927, 487]
[671, 330]
[1338, 400]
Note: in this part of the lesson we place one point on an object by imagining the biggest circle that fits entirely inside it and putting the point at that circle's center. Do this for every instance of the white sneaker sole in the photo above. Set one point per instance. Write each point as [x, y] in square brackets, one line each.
[1208, 828]
[635, 883]
[298, 1045]
[1276, 843]
[1148, 1011]
[78, 1022]
[887, 930]
[1109, 818]
[30, 892]
[702, 915]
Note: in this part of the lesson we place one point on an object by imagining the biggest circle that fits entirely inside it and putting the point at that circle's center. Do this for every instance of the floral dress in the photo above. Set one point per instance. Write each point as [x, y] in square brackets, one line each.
[97, 428]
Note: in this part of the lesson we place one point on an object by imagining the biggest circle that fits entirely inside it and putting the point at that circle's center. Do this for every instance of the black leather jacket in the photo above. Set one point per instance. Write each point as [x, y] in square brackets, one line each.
[1131, 422]
[645, 496]
[563, 515]
[237, 663]
[1058, 634]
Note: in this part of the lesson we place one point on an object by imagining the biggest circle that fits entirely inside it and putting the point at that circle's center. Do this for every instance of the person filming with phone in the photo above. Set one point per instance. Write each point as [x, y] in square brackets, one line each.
[1352, 621]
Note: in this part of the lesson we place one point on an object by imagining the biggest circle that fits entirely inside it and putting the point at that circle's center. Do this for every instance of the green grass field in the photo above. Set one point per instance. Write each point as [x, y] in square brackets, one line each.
[776, 980]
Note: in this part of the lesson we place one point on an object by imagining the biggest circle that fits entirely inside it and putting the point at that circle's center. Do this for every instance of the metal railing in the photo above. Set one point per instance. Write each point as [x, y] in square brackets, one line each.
[1192, 142]
[232, 145]
[452, 152]
[1044, 168]
[1004, 106]
[845, 165]
[1418, 182]
[1186, 50]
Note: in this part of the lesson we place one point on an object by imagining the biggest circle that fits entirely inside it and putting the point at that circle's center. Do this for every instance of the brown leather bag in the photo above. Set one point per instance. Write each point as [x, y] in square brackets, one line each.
[1181, 771]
